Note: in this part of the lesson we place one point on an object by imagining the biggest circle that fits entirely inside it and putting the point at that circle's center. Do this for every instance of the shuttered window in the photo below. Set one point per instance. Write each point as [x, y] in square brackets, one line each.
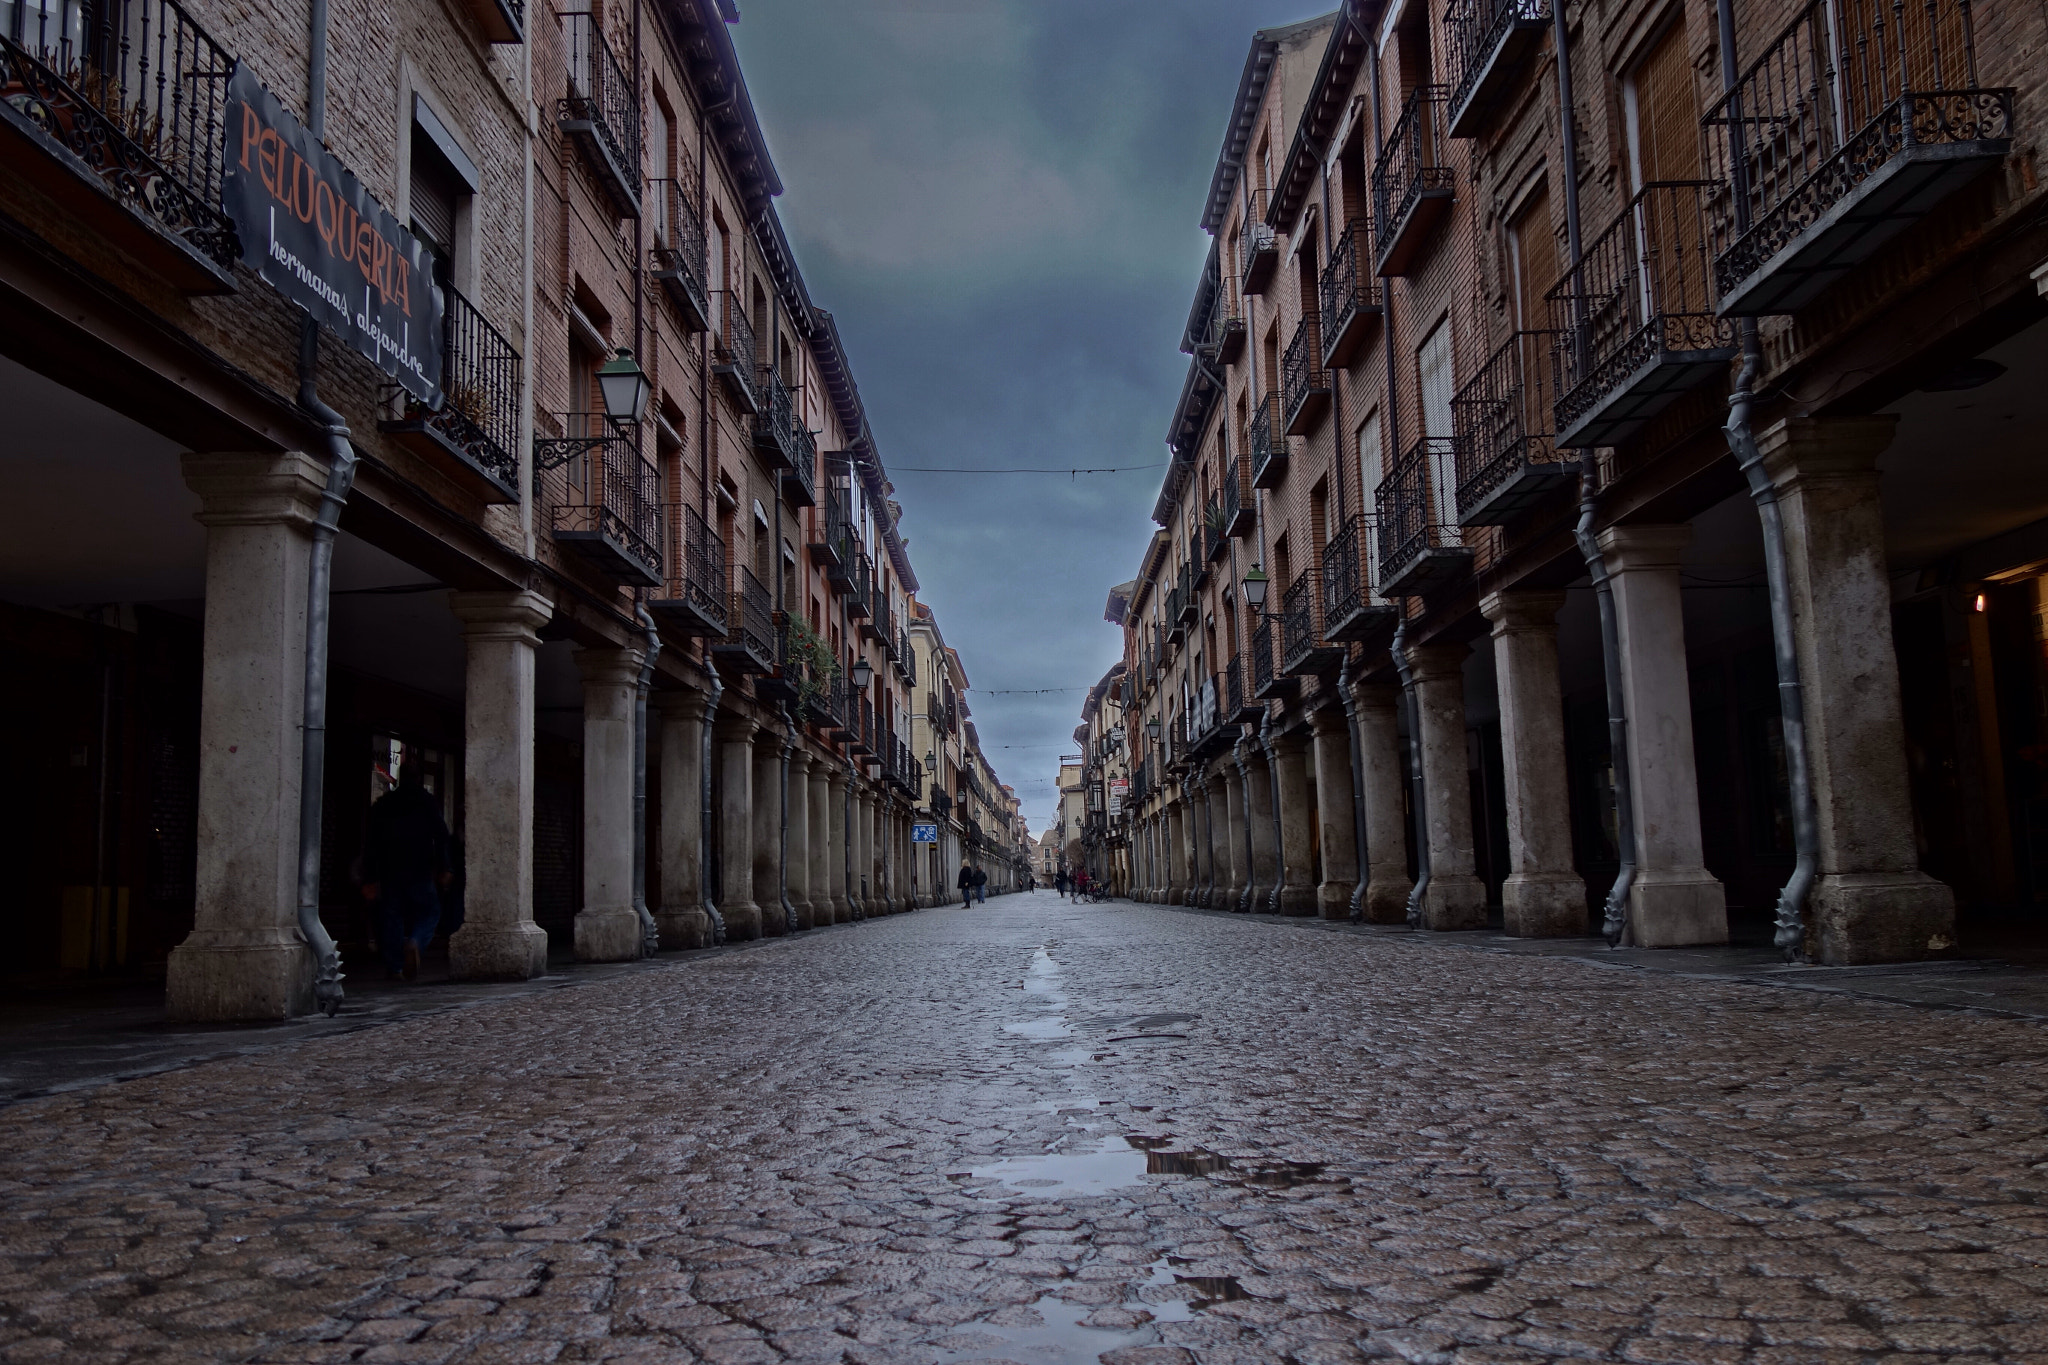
[1663, 109]
[1537, 263]
[436, 194]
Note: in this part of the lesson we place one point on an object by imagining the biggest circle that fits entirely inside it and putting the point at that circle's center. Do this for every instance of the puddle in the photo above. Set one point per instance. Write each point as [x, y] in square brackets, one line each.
[1041, 1028]
[1184, 1163]
[1285, 1175]
[1111, 1164]
[1211, 1289]
[1063, 1338]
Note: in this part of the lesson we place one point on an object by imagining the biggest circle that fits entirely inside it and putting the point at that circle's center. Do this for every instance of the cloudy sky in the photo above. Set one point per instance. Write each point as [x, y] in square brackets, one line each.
[999, 202]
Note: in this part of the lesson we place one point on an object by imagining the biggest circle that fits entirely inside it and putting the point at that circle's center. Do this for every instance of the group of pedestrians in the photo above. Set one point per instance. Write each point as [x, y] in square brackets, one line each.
[1079, 882]
[972, 883]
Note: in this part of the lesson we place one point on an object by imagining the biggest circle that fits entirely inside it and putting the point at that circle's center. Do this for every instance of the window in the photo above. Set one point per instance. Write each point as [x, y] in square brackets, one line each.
[441, 183]
[1533, 263]
[1433, 360]
[1369, 454]
[1662, 110]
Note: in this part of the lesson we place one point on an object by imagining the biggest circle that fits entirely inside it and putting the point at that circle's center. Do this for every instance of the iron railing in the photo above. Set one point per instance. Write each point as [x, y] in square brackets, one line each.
[1268, 440]
[479, 413]
[1641, 289]
[1410, 165]
[1841, 91]
[1301, 621]
[775, 423]
[1258, 248]
[801, 486]
[1221, 337]
[678, 256]
[601, 98]
[1407, 502]
[752, 621]
[734, 355]
[1262, 656]
[1347, 291]
[700, 578]
[1474, 31]
[1503, 417]
[1349, 587]
[602, 496]
[1235, 699]
[137, 91]
[1304, 389]
[1235, 487]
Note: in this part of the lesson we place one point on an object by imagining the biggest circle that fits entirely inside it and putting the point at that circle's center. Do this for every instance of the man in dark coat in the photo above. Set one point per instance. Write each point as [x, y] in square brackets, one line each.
[405, 865]
[965, 882]
[980, 886]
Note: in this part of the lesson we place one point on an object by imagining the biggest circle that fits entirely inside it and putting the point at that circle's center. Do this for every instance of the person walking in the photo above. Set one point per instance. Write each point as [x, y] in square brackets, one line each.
[1059, 883]
[405, 869]
[966, 884]
[980, 886]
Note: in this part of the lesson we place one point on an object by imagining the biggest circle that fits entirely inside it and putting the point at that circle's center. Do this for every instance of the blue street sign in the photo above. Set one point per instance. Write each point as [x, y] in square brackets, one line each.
[924, 834]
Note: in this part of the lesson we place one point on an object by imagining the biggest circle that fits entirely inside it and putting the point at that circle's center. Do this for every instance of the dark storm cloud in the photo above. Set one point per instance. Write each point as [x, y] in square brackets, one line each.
[998, 200]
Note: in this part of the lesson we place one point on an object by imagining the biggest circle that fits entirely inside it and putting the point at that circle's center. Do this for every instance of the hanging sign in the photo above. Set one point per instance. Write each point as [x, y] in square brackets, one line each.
[311, 230]
[924, 834]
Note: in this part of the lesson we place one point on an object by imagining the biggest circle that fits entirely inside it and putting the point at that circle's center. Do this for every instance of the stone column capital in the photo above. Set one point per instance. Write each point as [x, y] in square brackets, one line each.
[799, 761]
[1513, 613]
[733, 728]
[1644, 547]
[1431, 662]
[1801, 449]
[609, 667]
[681, 700]
[510, 617]
[250, 489]
[1329, 720]
[1367, 697]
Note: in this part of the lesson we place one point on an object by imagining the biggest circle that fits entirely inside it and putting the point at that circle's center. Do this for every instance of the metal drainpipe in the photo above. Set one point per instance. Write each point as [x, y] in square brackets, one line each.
[1244, 786]
[1791, 930]
[1273, 782]
[650, 932]
[1418, 792]
[706, 823]
[1615, 922]
[782, 876]
[1358, 833]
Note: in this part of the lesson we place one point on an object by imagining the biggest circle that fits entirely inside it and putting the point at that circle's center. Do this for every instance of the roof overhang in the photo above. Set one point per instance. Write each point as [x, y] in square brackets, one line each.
[1329, 95]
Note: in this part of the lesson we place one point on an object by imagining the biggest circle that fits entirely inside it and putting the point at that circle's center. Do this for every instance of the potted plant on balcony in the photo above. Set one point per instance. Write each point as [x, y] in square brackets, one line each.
[815, 668]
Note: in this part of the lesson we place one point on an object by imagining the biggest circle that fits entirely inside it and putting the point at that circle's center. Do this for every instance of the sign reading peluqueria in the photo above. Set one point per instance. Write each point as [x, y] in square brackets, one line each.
[311, 230]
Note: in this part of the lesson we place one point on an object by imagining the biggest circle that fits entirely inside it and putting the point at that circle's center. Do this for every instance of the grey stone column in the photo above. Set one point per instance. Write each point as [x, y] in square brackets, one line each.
[860, 836]
[1333, 810]
[1387, 883]
[1230, 847]
[1258, 815]
[244, 958]
[1455, 898]
[1872, 902]
[800, 837]
[1175, 824]
[1298, 886]
[608, 927]
[679, 846]
[1203, 840]
[819, 796]
[1674, 900]
[498, 940]
[836, 857]
[735, 736]
[767, 832]
[1542, 897]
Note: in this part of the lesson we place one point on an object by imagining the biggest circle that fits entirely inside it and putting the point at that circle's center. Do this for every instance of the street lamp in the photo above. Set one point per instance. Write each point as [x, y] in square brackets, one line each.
[1255, 581]
[624, 387]
[863, 674]
[931, 761]
[1152, 727]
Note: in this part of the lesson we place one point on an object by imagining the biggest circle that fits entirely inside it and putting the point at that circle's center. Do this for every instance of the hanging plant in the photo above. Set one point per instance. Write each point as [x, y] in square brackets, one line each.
[814, 664]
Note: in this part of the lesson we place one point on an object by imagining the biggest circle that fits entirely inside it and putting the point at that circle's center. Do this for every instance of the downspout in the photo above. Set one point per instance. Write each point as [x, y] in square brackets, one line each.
[782, 876]
[706, 806]
[1279, 843]
[341, 473]
[1358, 834]
[1615, 921]
[650, 932]
[1417, 792]
[1244, 783]
[1791, 932]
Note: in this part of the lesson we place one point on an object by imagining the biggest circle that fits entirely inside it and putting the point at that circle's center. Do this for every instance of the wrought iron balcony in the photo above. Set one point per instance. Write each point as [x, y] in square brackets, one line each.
[118, 114]
[1221, 340]
[1190, 604]
[1506, 462]
[1411, 182]
[1258, 246]
[1858, 119]
[1238, 704]
[601, 112]
[1352, 607]
[749, 645]
[1266, 681]
[677, 258]
[694, 600]
[831, 542]
[942, 802]
[601, 498]
[1635, 318]
[860, 586]
[1208, 543]
[1176, 629]
[784, 682]
[1239, 505]
[800, 480]
[471, 437]
[734, 357]
[1349, 295]
[1487, 42]
[775, 421]
[1304, 648]
[1268, 443]
[1420, 548]
[1304, 387]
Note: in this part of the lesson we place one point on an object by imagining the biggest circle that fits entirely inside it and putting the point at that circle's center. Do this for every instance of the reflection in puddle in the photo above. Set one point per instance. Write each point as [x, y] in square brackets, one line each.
[1212, 1289]
[1184, 1163]
[1062, 1338]
[1111, 1164]
[1285, 1175]
[1054, 1027]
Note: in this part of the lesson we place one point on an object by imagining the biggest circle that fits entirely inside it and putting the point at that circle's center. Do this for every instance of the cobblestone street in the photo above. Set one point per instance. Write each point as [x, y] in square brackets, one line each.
[1037, 1131]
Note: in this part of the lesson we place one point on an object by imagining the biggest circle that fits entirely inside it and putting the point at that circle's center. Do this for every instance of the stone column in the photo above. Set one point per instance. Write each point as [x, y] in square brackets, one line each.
[1258, 815]
[1380, 746]
[1542, 897]
[608, 927]
[1455, 898]
[1230, 847]
[1174, 824]
[1298, 884]
[498, 940]
[836, 857]
[767, 838]
[819, 796]
[244, 958]
[800, 837]
[679, 847]
[735, 736]
[1674, 900]
[859, 839]
[1872, 902]
[1199, 832]
[1334, 811]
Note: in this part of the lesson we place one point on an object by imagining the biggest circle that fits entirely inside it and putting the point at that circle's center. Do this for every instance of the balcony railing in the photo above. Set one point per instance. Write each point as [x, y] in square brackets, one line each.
[734, 357]
[1258, 247]
[677, 258]
[472, 437]
[1635, 318]
[1411, 181]
[800, 482]
[1349, 295]
[1487, 41]
[1268, 443]
[1190, 601]
[1352, 608]
[775, 422]
[602, 498]
[831, 541]
[1221, 340]
[1420, 548]
[1304, 387]
[750, 643]
[1266, 681]
[1304, 648]
[136, 94]
[860, 586]
[602, 111]
[1239, 506]
[694, 601]
[1506, 461]
[1859, 118]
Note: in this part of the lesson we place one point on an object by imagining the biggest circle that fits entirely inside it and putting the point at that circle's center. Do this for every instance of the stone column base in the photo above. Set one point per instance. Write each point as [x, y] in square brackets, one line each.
[1677, 909]
[1333, 899]
[742, 921]
[1855, 917]
[1300, 900]
[258, 974]
[842, 910]
[608, 933]
[1457, 901]
[498, 952]
[689, 928]
[1386, 900]
[1544, 905]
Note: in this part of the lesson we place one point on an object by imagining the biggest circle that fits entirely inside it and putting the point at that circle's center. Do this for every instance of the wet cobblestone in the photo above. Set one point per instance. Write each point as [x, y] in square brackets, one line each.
[1039, 1132]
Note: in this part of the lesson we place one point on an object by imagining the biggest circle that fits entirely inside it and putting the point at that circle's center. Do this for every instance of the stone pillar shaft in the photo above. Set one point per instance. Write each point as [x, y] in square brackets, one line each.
[1455, 898]
[1542, 896]
[608, 927]
[800, 838]
[1297, 818]
[1334, 806]
[1380, 750]
[735, 737]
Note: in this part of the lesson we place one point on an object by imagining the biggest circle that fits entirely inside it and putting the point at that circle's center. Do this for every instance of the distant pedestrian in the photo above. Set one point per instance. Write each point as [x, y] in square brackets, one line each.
[1059, 883]
[966, 885]
[406, 866]
[980, 886]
